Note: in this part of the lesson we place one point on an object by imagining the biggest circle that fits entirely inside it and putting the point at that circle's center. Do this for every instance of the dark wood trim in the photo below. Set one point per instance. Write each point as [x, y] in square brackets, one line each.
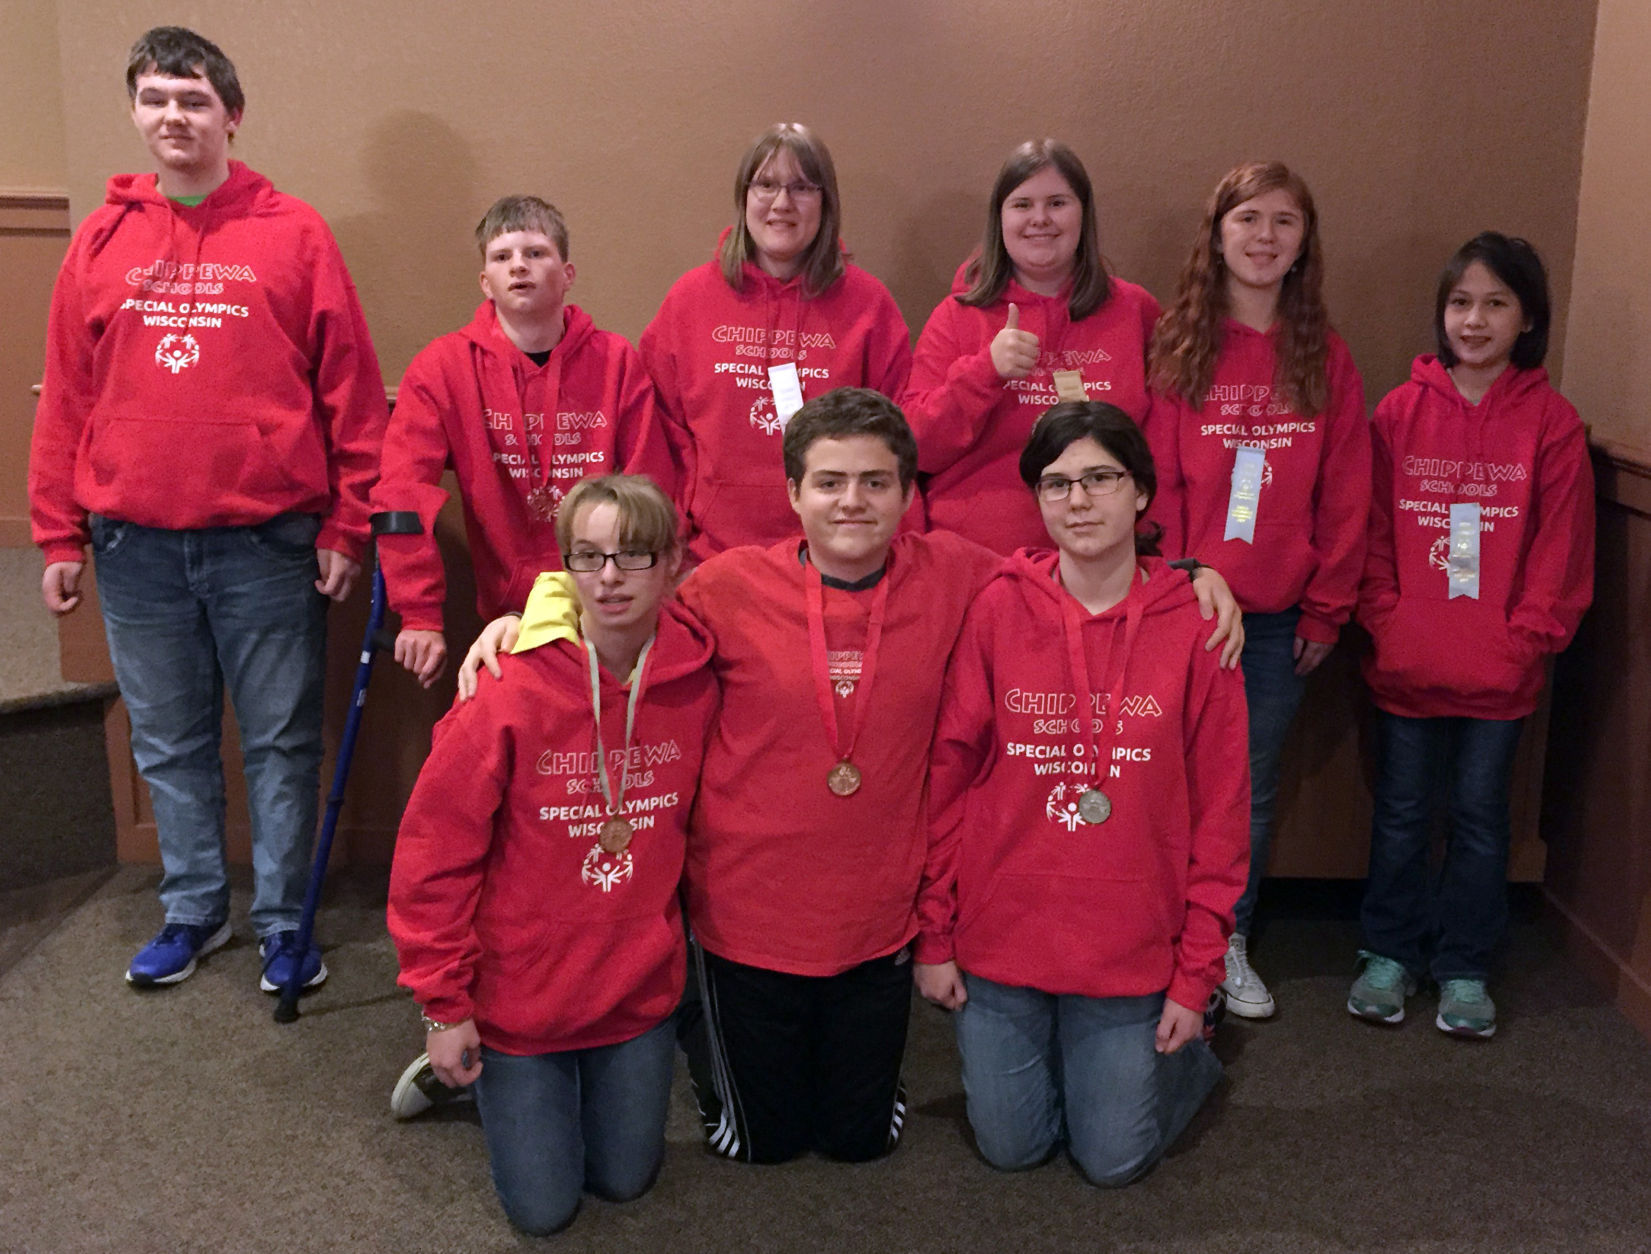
[34, 213]
[1622, 474]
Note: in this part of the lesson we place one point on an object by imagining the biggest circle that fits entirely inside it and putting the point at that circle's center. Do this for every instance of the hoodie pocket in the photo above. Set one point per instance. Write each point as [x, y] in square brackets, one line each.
[1069, 932]
[731, 514]
[1457, 648]
[158, 460]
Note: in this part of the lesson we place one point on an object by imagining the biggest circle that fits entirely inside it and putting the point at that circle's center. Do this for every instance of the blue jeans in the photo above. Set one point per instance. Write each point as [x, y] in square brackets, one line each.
[1447, 926]
[585, 1119]
[1272, 689]
[186, 612]
[1040, 1068]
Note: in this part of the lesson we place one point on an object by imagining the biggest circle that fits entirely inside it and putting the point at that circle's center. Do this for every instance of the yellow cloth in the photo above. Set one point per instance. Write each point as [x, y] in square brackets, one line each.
[551, 612]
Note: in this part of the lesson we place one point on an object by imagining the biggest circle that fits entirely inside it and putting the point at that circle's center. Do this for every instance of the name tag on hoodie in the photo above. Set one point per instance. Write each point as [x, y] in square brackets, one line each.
[1462, 565]
[1245, 498]
[787, 389]
[1069, 385]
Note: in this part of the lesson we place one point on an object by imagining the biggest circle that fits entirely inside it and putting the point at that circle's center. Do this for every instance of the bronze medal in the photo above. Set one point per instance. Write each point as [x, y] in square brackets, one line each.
[1094, 806]
[614, 835]
[844, 779]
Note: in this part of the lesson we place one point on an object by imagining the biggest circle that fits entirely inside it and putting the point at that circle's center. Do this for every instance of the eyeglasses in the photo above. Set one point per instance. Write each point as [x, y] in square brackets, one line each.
[767, 190]
[1095, 483]
[588, 562]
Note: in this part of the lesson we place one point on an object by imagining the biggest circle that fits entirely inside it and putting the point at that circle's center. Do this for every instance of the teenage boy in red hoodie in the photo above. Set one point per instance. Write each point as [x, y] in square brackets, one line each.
[521, 404]
[210, 423]
[807, 843]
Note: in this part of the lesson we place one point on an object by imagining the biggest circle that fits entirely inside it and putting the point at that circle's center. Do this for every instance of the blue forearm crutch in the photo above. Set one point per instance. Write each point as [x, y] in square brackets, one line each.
[387, 523]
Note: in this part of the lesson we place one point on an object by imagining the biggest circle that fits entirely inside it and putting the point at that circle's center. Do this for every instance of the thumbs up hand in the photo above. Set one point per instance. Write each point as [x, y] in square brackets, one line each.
[1014, 352]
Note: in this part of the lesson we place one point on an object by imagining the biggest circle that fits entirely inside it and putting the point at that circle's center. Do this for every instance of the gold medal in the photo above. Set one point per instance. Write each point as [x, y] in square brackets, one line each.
[844, 779]
[614, 835]
[1094, 806]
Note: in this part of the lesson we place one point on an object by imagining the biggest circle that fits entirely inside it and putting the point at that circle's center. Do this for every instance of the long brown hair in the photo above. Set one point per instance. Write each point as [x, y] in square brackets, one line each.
[823, 262]
[990, 270]
[1181, 361]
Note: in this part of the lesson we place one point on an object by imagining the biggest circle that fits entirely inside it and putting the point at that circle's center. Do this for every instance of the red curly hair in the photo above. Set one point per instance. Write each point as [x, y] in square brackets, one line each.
[1187, 339]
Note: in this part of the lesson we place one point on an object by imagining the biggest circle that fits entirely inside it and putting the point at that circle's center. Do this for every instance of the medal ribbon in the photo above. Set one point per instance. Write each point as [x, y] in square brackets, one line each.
[543, 457]
[616, 807]
[822, 669]
[1073, 630]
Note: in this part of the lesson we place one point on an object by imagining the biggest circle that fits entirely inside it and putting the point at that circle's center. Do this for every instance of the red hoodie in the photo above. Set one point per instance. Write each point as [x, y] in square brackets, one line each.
[503, 907]
[1315, 486]
[1522, 456]
[709, 350]
[782, 873]
[461, 405]
[205, 367]
[971, 425]
[1017, 888]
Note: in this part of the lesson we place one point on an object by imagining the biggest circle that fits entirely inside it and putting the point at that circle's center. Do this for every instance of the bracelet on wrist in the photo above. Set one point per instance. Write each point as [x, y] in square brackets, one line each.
[432, 1025]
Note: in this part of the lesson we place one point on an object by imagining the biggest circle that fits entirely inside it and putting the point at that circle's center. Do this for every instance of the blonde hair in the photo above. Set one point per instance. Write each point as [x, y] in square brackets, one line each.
[647, 519]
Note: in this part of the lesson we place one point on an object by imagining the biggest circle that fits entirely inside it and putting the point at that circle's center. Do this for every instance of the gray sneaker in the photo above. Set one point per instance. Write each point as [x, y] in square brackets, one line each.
[1379, 992]
[1247, 996]
[418, 1090]
[1465, 1009]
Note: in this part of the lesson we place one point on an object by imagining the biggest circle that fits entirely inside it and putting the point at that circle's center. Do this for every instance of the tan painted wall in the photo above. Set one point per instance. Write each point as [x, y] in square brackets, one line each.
[31, 142]
[33, 176]
[402, 122]
[1608, 364]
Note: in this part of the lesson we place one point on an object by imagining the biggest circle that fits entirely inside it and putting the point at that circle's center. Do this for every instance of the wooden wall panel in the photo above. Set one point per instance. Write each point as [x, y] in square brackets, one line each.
[1597, 808]
[34, 235]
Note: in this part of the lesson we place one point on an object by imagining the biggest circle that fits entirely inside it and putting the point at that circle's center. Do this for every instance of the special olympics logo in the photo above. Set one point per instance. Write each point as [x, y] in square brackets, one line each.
[1438, 556]
[1266, 473]
[1062, 806]
[177, 351]
[606, 870]
[765, 418]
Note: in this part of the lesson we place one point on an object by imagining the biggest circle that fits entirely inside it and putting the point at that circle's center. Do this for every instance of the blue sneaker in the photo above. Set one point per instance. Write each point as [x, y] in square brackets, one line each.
[171, 956]
[279, 950]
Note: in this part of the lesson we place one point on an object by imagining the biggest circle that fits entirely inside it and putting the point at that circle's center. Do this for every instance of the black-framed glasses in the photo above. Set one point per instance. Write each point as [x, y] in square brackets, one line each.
[588, 562]
[1095, 483]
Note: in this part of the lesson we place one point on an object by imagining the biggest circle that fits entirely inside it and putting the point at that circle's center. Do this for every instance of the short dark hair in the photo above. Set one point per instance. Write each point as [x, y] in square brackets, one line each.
[845, 412]
[179, 52]
[1113, 430]
[1517, 265]
[522, 213]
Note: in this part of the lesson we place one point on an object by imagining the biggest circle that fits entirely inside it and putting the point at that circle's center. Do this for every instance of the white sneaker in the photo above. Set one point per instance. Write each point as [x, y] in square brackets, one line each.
[1247, 996]
[418, 1090]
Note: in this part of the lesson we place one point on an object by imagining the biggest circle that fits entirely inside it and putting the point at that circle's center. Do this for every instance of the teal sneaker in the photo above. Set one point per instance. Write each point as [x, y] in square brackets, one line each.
[1378, 994]
[1465, 1009]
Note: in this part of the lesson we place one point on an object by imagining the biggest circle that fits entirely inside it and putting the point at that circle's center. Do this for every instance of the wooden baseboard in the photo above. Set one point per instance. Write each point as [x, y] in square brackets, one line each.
[1629, 991]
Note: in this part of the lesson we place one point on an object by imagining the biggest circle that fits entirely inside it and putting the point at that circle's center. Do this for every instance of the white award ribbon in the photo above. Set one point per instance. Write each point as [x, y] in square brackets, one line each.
[1246, 493]
[1462, 565]
[787, 390]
